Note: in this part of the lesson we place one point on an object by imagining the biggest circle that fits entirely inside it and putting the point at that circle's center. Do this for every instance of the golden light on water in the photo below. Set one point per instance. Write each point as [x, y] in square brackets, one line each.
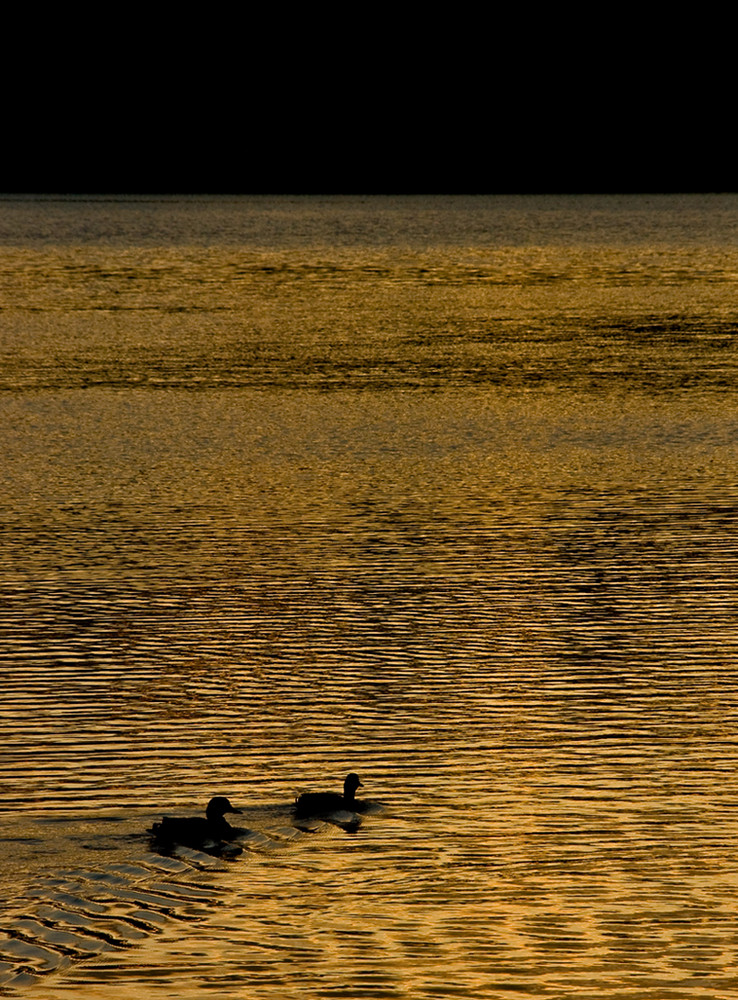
[453, 509]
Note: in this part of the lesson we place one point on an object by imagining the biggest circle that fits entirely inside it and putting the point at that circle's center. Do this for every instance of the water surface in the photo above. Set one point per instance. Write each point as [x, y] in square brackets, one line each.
[438, 490]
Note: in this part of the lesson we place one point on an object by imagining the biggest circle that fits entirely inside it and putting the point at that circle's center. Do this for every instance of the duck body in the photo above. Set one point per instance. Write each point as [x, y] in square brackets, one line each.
[321, 804]
[205, 833]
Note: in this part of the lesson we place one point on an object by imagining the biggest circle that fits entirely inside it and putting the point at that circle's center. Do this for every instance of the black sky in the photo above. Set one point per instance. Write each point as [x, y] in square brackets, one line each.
[460, 106]
[563, 152]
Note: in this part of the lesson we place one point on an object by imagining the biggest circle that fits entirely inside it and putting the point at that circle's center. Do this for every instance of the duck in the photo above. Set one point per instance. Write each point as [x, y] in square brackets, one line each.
[319, 804]
[209, 833]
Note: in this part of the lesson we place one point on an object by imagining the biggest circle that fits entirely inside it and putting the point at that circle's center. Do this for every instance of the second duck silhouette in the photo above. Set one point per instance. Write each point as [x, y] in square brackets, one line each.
[323, 804]
[211, 833]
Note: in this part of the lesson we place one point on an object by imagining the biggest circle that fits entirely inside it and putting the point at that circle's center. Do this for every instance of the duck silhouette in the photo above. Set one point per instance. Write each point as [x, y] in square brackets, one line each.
[210, 833]
[321, 804]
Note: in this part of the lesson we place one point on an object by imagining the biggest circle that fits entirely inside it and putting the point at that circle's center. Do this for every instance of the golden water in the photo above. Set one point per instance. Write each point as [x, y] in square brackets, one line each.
[438, 490]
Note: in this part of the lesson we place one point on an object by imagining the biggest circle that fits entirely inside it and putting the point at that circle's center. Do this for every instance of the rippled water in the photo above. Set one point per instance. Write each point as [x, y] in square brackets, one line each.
[442, 491]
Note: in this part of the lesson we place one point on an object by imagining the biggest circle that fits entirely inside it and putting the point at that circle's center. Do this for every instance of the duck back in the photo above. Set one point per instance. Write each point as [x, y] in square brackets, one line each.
[319, 804]
[193, 831]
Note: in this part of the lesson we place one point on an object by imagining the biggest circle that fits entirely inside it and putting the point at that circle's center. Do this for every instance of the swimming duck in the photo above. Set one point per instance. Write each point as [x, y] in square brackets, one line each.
[324, 803]
[206, 833]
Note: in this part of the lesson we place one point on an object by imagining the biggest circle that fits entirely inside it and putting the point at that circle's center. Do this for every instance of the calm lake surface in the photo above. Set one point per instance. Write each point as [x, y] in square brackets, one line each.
[440, 490]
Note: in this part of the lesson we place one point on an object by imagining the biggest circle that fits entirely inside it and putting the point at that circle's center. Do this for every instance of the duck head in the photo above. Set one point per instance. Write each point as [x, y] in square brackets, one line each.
[218, 807]
[350, 785]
